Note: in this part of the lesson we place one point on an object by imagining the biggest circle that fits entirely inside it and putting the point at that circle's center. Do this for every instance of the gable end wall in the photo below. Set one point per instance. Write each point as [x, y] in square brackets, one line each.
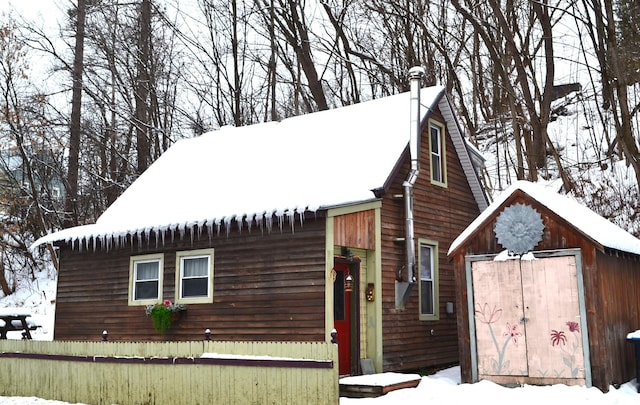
[440, 214]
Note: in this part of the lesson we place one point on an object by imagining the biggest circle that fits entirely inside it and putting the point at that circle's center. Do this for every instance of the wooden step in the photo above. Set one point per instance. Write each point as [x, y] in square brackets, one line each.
[375, 385]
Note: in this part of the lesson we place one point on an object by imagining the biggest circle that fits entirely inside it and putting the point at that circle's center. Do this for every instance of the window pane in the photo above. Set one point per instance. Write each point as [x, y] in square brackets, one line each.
[426, 272]
[435, 169]
[195, 266]
[146, 290]
[436, 154]
[435, 140]
[195, 287]
[338, 297]
[147, 280]
[147, 270]
[426, 299]
[427, 275]
[196, 274]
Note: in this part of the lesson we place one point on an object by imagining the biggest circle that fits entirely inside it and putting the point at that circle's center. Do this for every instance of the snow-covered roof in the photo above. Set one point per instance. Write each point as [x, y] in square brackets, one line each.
[582, 218]
[299, 164]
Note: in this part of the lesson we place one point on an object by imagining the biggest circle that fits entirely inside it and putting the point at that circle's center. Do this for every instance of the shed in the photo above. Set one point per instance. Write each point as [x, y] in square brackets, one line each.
[285, 231]
[549, 291]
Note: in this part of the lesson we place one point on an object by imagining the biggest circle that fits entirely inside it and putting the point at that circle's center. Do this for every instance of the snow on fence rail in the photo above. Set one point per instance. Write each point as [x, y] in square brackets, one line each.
[171, 372]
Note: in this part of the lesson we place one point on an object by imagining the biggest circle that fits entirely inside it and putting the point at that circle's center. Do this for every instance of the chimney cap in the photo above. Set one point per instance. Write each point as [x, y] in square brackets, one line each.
[416, 72]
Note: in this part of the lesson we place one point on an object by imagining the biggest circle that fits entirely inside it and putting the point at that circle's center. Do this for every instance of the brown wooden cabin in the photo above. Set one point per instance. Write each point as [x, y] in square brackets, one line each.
[281, 275]
[562, 317]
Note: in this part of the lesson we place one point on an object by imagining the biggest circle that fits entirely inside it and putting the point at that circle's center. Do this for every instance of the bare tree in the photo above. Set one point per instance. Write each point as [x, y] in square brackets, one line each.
[514, 35]
[291, 23]
[601, 23]
[27, 169]
[76, 108]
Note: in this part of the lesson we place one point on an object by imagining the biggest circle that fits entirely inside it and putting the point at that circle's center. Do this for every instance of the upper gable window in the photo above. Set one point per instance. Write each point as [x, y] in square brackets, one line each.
[194, 276]
[437, 153]
[145, 279]
[428, 280]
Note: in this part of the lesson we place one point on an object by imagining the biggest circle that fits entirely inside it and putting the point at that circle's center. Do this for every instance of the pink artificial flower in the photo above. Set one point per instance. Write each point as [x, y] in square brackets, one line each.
[166, 303]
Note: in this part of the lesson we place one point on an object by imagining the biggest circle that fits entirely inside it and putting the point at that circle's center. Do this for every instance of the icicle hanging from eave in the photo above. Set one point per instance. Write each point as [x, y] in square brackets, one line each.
[227, 225]
[249, 221]
[269, 222]
[200, 226]
[259, 221]
[292, 220]
[239, 222]
[218, 225]
[210, 230]
[280, 215]
[118, 240]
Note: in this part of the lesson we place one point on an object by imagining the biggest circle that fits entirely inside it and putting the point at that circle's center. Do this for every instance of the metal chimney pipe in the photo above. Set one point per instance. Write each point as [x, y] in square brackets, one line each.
[415, 80]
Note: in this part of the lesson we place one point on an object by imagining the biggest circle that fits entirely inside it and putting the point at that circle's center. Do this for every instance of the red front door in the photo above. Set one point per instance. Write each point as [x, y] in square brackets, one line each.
[342, 318]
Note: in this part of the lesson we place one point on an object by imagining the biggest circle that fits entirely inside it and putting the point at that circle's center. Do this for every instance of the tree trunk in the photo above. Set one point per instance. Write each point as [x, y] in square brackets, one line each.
[236, 92]
[71, 202]
[142, 88]
[4, 286]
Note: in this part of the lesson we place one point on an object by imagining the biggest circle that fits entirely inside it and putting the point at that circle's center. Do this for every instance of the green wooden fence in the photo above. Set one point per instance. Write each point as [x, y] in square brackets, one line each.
[197, 372]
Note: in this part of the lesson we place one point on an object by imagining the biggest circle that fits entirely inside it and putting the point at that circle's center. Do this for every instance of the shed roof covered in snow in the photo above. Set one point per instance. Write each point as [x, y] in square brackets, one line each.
[594, 227]
[305, 163]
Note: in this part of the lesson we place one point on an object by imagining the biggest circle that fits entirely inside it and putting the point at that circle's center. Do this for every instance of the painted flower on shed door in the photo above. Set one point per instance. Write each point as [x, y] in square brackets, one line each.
[490, 315]
[560, 340]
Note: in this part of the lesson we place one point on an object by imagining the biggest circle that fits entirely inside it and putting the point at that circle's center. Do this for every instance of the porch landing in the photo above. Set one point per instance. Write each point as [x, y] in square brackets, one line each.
[375, 385]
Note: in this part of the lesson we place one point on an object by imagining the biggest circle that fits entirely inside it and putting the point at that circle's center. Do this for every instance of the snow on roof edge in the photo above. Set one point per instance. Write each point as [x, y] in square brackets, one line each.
[82, 234]
[86, 233]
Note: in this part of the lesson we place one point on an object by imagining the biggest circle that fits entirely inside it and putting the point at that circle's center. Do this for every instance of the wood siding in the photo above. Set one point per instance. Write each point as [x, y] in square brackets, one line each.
[355, 230]
[615, 312]
[612, 299]
[440, 214]
[268, 285]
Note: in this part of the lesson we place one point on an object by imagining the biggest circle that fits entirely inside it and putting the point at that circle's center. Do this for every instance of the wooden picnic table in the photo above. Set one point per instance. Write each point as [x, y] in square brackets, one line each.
[16, 319]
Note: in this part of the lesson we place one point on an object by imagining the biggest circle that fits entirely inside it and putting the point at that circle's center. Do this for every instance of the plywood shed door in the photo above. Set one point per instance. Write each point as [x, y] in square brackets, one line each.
[500, 336]
[527, 320]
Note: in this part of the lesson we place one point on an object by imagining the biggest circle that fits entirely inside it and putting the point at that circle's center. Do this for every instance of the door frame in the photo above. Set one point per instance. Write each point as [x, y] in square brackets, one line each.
[469, 259]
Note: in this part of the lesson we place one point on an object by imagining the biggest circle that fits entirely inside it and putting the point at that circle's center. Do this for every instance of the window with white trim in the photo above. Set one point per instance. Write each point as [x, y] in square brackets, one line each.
[428, 280]
[437, 153]
[194, 276]
[145, 279]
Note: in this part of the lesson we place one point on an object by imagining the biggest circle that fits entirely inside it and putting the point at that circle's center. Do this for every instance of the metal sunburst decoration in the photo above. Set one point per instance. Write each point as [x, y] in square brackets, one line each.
[519, 228]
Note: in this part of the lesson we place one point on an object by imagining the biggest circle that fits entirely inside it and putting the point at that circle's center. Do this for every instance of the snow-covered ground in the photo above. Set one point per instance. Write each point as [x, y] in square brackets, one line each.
[444, 388]
[36, 296]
